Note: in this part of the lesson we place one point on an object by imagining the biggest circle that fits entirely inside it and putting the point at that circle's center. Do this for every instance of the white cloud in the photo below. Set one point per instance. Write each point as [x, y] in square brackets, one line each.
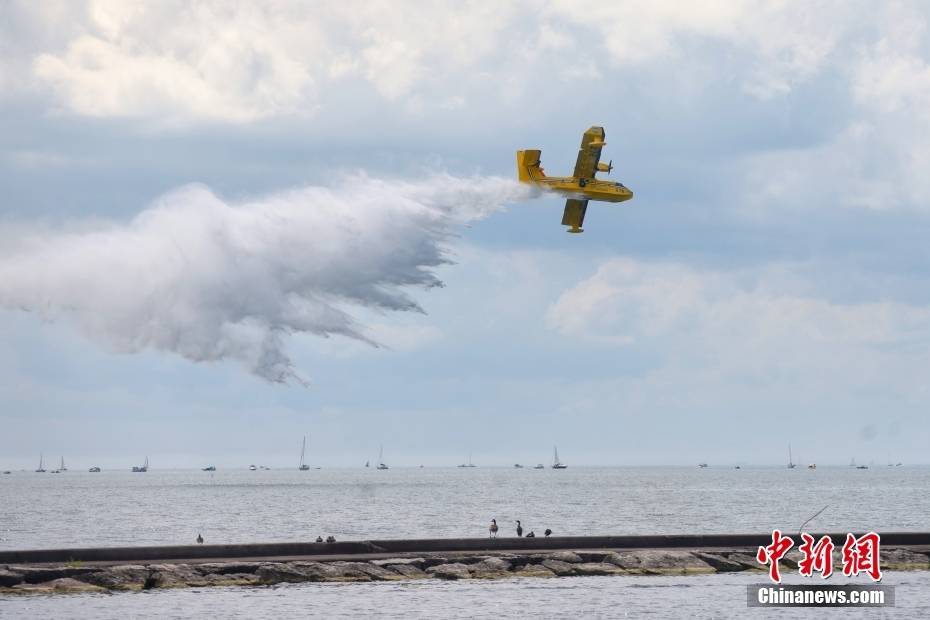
[760, 325]
[212, 60]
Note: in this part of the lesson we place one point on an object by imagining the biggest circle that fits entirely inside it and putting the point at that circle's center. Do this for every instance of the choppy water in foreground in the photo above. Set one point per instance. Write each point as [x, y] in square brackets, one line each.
[696, 597]
[170, 507]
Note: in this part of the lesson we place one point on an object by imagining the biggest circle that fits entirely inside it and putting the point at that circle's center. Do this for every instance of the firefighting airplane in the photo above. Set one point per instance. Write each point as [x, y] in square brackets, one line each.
[581, 186]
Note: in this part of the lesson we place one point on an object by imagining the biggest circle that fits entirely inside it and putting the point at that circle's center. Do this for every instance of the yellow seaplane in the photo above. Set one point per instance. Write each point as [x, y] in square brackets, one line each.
[581, 186]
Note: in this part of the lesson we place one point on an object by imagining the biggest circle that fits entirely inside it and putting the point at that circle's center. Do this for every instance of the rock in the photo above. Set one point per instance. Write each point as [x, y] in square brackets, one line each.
[281, 572]
[455, 570]
[498, 565]
[361, 570]
[174, 576]
[128, 577]
[660, 561]
[416, 562]
[564, 556]
[232, 579]
[434, 561]
[747, 560]
[534, 570]
[9, 578]
[408, 571]
[67, 585]
[225, 568]
[34, 574]
[720, 563]
[560, 568]
[901, 559]
[596, 568]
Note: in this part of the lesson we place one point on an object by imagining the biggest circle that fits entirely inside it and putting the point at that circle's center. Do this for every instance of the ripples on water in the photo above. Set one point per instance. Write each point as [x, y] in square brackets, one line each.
[170, 507]
[696, 597]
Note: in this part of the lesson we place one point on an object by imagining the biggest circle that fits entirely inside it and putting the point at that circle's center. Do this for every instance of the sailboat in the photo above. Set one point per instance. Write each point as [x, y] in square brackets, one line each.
[41, 468]
[367, 464]
[142, 469]
[252, 468]
[791, 463]
[94, 470]
[381, 464]
[468, 463]
[62, 466]
[302, 466]
[556, 463]
[540, 466]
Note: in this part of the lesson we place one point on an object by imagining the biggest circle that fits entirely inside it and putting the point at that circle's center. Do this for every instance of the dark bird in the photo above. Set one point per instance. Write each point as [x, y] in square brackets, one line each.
[199, 539]
[519, 529]
[330, 539]
[319, 539]
[531, 534]
[493, 528]
[548, 532]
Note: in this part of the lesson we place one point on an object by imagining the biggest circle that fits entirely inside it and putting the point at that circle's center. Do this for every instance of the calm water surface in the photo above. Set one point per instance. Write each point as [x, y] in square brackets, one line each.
[169, 507]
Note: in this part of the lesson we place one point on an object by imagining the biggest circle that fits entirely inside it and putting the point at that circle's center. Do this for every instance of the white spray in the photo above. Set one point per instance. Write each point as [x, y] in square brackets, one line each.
[208, 279]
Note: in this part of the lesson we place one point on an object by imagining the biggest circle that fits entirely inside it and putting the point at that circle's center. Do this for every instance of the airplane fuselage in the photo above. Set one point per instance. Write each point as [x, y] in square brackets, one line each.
[585, 189]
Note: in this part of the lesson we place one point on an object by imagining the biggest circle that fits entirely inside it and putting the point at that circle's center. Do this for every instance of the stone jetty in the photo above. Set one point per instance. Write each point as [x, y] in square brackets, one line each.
[369, 561]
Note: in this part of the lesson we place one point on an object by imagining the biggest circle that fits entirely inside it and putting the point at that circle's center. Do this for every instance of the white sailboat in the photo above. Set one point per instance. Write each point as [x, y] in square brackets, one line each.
[381, 464]
[142, 469]
[556, 463]
[62, 466]
[791, 463]
[468, 463]
[41, 469]
[302, 466]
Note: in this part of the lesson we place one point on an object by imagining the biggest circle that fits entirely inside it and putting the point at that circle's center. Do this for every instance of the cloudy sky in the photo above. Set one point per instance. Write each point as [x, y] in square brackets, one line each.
[227, 225]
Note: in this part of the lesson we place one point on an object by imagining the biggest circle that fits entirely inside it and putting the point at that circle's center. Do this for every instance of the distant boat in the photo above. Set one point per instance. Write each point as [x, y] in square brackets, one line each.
[41, 469]
[252, 468]
[468, 463]
[517, 466]
[791, 463]
[381, 464]
[209, 468]
[852, 462]
[302, 466]
[556, 463]
[540, 466]
[94, 470]
[702, 465]
[366, 464]
[812, 466]
[142, 469]
[62, 466]
[7, 472]
[862, 466]
[737, 467]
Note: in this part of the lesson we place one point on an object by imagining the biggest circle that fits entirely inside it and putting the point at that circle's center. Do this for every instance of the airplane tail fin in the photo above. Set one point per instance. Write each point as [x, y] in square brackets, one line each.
[528, 166]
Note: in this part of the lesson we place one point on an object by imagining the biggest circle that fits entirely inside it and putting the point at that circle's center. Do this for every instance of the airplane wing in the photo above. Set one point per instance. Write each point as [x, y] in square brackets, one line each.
[590, 153]
[574, 214]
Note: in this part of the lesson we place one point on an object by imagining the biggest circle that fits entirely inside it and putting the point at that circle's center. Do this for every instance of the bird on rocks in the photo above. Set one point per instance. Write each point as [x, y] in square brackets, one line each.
[548, 532]
[532, 534]
[493, 528]
[319, 539]
[519, 529]
[199, 539]
[330, 539]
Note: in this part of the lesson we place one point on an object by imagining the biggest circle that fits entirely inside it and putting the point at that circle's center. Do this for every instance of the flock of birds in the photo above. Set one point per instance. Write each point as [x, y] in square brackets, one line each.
[494, 528]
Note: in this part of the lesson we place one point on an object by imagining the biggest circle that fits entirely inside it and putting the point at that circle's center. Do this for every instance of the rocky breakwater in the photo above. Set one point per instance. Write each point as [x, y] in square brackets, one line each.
[76, 578]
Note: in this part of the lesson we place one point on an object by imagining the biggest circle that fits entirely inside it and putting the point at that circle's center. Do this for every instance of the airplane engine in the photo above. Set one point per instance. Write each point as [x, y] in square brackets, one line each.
[602, 167]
